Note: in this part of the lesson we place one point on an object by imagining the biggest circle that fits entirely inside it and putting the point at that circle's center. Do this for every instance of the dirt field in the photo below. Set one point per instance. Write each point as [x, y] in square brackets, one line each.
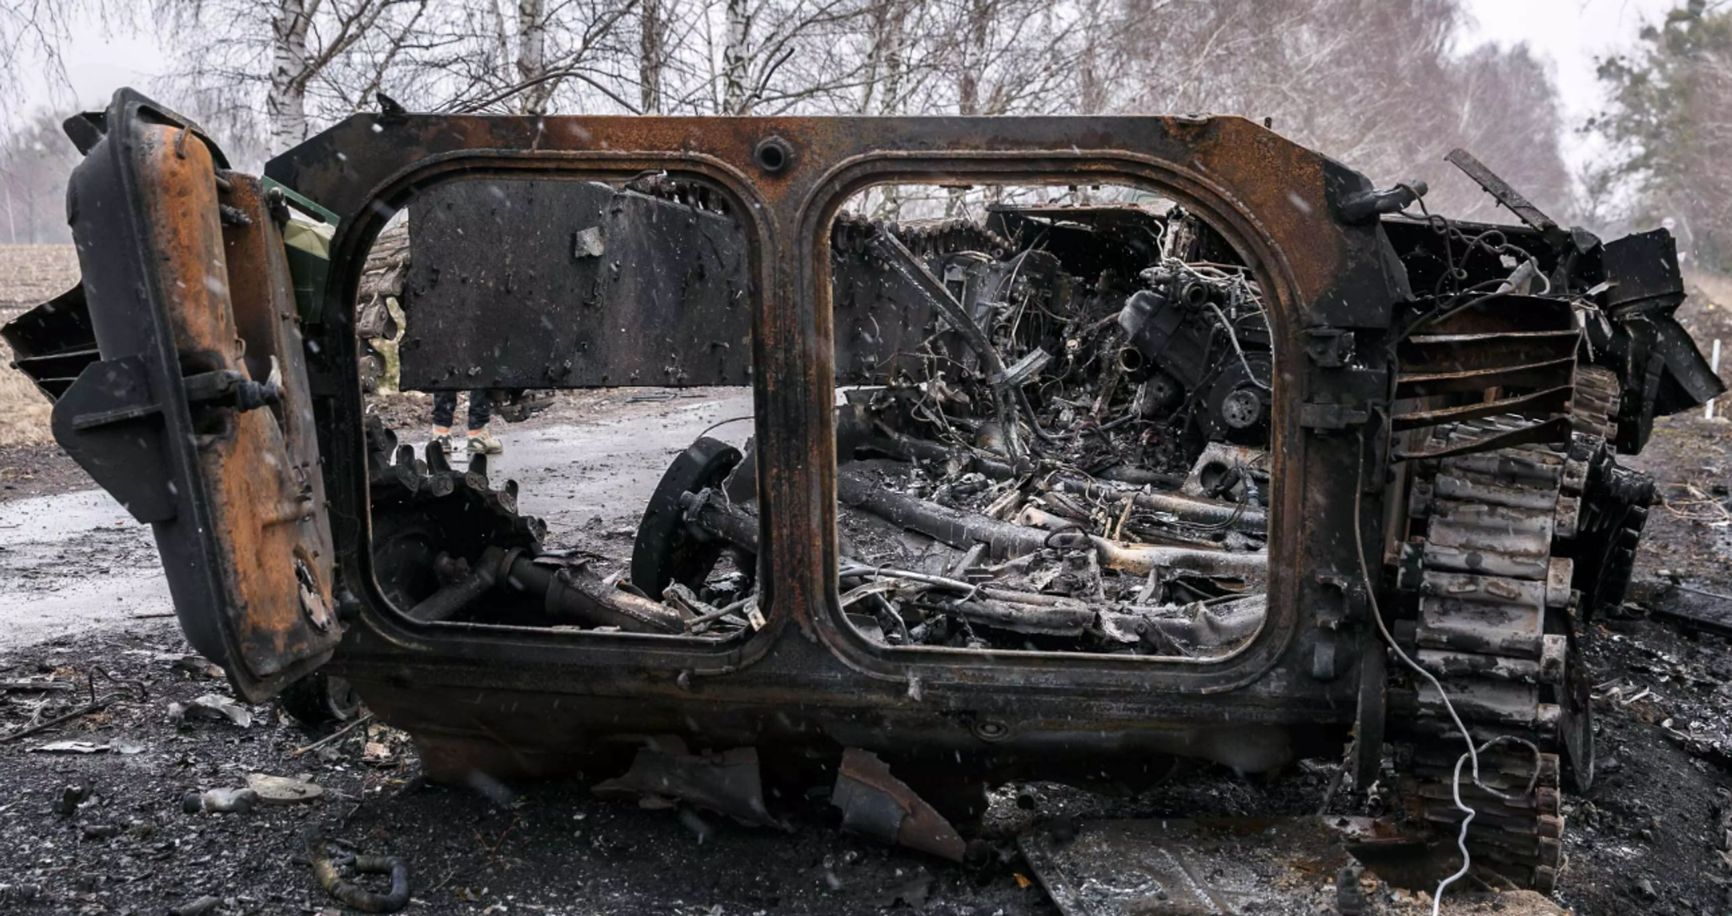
[29, 275]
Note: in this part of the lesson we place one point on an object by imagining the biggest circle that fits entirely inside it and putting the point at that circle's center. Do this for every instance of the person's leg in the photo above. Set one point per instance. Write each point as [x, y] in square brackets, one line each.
[480, 411]
[444, 411]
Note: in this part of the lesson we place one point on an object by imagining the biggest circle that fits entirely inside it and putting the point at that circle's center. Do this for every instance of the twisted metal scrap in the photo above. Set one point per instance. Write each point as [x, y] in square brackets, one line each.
[329, 872]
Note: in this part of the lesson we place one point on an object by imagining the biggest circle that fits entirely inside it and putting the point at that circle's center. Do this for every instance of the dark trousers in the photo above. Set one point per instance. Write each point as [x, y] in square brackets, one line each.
[445, 408]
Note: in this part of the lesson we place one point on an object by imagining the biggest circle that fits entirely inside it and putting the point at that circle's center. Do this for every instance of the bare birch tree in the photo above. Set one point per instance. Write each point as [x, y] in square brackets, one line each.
[301, 57]
[1378, 83]
[652, 46]
[286, 98]
[33, 35]
[570, 55]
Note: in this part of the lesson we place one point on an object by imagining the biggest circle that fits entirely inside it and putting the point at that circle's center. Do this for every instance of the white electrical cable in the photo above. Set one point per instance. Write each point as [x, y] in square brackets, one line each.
[1233, 338]
[1472, 752]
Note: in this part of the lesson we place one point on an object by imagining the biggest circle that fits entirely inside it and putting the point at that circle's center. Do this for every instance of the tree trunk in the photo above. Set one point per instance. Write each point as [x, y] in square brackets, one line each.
[973, 56]
[532, 57]
[890, 98]
[652, 56]
[286, 99]
[970, 60]
[1091, 87]
[734, 57]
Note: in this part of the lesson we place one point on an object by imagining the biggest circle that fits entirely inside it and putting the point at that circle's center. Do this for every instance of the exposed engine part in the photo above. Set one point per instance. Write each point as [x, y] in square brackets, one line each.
[1196, 341]
[1074, 314]
[1172, 597]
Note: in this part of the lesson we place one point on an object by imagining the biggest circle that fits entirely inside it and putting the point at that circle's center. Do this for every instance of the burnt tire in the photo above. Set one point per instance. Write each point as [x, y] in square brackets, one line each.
[320, 700]
[665, 550]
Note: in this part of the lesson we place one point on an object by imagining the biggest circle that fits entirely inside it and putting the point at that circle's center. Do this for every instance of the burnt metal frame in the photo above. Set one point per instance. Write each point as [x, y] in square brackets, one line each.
[1328, 273]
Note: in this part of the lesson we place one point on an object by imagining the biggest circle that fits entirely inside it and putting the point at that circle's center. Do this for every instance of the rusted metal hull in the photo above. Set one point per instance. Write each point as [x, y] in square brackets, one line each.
[556, 692]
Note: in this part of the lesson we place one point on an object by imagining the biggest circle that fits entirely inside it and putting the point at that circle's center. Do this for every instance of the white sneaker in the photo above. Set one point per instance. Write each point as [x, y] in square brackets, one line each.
[481, 442]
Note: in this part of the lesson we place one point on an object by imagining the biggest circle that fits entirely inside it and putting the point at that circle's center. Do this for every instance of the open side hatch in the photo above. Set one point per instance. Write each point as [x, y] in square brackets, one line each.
[179, 383]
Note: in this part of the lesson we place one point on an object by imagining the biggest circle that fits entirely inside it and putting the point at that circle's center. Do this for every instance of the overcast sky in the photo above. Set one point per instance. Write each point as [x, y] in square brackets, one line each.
[1568, 33]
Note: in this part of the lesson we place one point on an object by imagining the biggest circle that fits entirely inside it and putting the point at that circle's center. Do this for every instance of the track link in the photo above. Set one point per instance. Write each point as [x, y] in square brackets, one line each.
[853, 233]
[1510, 549]
[1611, 523]
[1491, 608]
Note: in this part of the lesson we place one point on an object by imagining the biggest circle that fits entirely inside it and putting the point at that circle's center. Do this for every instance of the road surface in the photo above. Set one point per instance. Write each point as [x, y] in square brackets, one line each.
[73, 562]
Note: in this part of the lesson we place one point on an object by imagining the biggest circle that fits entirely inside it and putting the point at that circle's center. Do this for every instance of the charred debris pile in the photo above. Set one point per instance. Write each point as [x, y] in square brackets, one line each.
[1074, 457]
[1071, 456]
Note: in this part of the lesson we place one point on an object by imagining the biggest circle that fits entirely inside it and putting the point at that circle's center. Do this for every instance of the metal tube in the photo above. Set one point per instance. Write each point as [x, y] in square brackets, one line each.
[959, 529]
[1141, 559]
[575, 593]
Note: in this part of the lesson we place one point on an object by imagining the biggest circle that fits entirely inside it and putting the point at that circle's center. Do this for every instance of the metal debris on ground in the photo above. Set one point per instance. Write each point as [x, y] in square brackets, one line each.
[283, 790]
[72, 747]
[71, 796]
[220, 801]
[878, 805]
[334, 875]
[198, 906]
[211, 706]
[1219, 866]
[334, 736]
[666, 772]
[35, 685]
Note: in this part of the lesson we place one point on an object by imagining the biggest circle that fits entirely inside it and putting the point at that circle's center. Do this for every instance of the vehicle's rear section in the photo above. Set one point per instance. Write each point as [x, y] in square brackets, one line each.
[1052, 458]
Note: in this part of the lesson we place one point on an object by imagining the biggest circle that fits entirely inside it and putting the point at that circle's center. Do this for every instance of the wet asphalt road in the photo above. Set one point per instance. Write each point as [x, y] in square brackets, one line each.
[76, 562]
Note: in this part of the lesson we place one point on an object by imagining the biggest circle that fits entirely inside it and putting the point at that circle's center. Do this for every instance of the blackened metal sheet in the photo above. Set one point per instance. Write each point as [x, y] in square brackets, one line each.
[1692, 608]
[882, 320]
[1643, 270]
[538, 283]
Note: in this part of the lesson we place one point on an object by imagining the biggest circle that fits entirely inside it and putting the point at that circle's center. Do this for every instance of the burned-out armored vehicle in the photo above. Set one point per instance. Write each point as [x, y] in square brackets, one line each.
[1133, 439]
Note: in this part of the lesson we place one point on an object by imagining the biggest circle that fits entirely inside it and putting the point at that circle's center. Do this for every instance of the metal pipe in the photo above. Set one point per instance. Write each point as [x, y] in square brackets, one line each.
[1006, 539]
[569, 593]
[1245, 519]
[576, 593]
[959, 529]
[910, 448]
[1141, 559]
[453, 598]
